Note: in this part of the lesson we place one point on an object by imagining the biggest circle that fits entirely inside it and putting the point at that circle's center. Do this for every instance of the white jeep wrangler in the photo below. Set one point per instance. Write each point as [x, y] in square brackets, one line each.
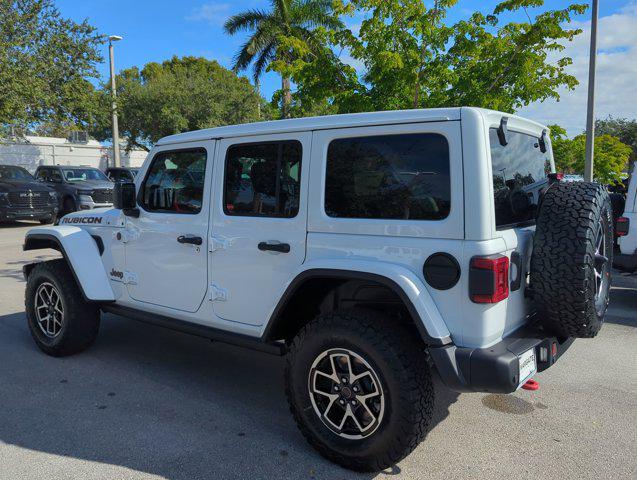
[369, 249]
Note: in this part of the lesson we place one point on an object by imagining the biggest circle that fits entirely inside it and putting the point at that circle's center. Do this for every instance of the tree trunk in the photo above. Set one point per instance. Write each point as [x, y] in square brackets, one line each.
[287, 96]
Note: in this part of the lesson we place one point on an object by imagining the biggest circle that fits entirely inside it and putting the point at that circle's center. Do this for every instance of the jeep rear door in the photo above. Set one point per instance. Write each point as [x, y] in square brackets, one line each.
[258, 222]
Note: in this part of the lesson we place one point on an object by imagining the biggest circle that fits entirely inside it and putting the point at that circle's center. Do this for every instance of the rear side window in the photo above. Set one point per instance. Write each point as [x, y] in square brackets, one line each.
[263, 179]
[389, 177]
[175, 182]
[520, 172]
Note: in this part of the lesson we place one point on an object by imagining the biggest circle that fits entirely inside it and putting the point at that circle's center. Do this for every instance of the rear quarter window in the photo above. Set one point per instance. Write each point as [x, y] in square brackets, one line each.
[520, 174]
[389, 177]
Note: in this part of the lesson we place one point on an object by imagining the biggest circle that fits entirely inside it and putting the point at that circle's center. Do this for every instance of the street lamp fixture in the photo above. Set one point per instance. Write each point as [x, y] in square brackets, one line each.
[116, 157]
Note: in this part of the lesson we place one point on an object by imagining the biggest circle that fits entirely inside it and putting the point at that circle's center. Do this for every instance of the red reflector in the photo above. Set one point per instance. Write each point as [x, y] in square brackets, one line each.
[559, 176]
[492, 284]
[531, 385]
[554, 349]
[623, 225]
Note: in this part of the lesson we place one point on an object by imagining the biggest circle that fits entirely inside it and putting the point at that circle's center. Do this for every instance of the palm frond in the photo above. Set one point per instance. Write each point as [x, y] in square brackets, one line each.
[263, 37]
[266, 56]
[248, 20]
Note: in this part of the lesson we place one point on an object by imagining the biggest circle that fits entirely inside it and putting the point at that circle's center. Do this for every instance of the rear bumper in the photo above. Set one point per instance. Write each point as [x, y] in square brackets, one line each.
[496, 369]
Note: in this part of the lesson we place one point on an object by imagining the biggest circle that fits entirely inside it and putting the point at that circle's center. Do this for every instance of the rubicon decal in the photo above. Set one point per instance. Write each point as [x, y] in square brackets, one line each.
[84, 220]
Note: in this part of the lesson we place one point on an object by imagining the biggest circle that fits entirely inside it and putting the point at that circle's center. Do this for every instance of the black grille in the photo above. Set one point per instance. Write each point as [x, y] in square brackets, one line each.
[29, 199]
[104, 195]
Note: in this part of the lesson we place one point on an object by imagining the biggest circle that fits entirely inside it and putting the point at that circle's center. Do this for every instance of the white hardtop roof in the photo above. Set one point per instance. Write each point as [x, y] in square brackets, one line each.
[317, 123]
[329, 122]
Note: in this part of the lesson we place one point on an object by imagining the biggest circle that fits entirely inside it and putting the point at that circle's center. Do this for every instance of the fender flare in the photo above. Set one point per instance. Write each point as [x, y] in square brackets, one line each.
[409, 288]
[81, 253]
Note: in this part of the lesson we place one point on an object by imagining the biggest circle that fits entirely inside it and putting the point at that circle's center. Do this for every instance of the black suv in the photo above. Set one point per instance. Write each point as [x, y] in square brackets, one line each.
[79, 188]
[22, 198]
[122, 174]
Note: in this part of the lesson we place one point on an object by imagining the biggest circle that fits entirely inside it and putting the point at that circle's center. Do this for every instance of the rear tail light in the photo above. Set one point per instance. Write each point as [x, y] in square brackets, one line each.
[489, 279]
[623, 225]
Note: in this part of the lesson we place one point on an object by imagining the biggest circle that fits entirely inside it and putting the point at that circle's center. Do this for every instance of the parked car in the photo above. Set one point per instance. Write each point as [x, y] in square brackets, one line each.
[79, 188]
[121, 174]
[367, 248]
[626, 230]
[23, 198]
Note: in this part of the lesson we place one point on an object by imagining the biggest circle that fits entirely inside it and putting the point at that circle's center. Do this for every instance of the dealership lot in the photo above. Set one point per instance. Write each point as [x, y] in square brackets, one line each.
[145, 402]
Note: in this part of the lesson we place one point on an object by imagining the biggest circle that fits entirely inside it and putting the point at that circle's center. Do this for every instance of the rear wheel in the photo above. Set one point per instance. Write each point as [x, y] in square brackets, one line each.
[572, 258]
[60, 320]
[360, 389]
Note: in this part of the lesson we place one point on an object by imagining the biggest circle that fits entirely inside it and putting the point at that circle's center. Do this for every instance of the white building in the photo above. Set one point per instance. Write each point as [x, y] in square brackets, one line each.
[30, 152]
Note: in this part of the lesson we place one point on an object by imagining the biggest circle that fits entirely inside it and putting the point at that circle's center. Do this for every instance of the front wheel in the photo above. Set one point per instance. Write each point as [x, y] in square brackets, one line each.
[60, 320]
[360, 389]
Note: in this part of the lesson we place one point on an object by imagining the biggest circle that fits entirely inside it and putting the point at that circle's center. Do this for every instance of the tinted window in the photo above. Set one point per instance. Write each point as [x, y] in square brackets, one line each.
[120, 175]
[520, 172]
[388, 177]
[263, 179]
[14, 173]
[175, 182]
[78, 174]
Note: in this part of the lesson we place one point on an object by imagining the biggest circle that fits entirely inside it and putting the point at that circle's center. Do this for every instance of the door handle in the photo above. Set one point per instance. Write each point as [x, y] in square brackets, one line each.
[191, 239]
[274, 247]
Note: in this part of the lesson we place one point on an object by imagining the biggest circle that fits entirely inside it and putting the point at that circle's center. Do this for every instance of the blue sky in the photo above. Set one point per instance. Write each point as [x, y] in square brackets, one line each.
[157, 30]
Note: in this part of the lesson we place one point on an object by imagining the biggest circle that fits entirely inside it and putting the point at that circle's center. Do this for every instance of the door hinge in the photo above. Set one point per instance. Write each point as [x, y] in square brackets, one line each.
[130, 278]
[218, 294]
[219, 243]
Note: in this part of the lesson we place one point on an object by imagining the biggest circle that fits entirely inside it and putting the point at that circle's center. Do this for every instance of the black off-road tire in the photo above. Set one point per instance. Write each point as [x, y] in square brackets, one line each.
[80, 321]
[564, 258]
[399, 359]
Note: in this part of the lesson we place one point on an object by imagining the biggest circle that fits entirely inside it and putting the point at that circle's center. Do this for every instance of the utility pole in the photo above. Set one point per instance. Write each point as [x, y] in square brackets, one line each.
[116, 158]
[590, 115]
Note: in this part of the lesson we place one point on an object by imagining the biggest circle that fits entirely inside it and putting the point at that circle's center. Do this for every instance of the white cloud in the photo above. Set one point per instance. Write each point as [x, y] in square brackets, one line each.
[616, 84]
[213, 13]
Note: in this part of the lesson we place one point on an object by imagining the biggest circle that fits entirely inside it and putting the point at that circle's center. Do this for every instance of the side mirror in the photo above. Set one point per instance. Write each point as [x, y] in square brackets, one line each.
[124, 198]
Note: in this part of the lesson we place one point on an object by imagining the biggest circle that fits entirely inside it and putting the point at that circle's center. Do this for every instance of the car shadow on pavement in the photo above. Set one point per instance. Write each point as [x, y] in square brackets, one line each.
[14, 268]
[159, 402]
[622, 309]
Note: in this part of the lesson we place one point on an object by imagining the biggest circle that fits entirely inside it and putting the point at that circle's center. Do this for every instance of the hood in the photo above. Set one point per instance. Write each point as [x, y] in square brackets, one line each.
[92, 184]
[23, 185]
[98, 217]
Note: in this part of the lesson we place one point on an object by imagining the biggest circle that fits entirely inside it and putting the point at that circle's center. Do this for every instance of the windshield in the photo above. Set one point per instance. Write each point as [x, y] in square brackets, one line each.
[520, 172]
[79, 174]
[14, 173]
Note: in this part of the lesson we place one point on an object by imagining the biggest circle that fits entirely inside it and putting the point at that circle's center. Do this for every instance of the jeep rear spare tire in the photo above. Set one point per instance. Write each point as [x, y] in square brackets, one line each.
[572, 257]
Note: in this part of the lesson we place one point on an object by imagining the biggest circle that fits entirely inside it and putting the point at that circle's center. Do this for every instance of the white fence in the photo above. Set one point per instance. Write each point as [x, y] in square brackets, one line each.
[35, 151]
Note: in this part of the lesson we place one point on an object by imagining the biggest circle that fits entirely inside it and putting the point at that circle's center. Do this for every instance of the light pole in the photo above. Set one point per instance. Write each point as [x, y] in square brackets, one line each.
[590, 114]
[116, 159]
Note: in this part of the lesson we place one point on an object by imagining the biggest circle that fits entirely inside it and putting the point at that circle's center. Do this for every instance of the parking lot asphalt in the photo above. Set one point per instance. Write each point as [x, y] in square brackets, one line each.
[145, 402]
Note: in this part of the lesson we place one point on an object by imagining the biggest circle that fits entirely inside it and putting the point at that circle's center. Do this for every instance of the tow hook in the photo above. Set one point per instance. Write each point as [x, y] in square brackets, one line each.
[531, 385]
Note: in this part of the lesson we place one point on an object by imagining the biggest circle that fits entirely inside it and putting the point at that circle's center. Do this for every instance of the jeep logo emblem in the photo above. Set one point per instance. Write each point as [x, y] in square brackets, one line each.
[117, 274]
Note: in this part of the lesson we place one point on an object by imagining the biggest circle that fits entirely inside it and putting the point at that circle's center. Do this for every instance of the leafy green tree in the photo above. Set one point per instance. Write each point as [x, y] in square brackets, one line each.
[611, 155]
[45, 64]
[280, 37]
[177, 95]
[413, 58]
[622, 128]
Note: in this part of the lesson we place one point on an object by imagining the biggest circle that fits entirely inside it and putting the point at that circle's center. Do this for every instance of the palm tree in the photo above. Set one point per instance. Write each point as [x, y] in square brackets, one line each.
[287, 18]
